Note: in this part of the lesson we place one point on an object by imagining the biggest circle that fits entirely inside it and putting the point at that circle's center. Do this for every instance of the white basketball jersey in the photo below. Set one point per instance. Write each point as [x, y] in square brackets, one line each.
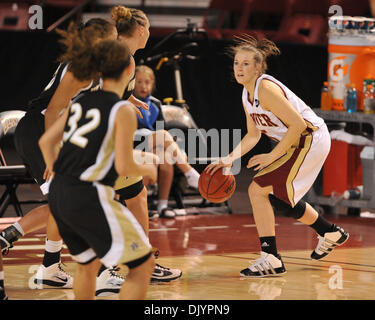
[267, 122]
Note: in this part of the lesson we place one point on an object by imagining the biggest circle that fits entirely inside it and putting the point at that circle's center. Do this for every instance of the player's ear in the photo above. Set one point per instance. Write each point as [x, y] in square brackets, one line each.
[259, 67]
[141, 31]
[127, 73]
[128, 70]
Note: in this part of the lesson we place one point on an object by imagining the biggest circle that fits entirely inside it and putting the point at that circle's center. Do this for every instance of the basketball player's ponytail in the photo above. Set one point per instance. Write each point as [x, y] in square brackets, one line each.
[79, 44]
[262, 48]
[267, 47]
[127, 19]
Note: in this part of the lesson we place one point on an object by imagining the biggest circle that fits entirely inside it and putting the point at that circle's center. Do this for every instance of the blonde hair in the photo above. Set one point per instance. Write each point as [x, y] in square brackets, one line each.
[262, 48]
[127, 19]
[147, 70]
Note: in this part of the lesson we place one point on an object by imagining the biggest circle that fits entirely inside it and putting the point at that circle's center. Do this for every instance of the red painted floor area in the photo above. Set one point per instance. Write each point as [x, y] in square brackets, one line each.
[196, 235]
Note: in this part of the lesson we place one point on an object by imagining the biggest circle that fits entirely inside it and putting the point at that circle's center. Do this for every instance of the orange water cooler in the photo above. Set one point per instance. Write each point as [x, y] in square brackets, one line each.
[351, 60]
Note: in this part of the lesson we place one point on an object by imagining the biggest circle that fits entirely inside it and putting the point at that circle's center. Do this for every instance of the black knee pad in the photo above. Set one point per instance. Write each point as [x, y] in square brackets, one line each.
[287, 210]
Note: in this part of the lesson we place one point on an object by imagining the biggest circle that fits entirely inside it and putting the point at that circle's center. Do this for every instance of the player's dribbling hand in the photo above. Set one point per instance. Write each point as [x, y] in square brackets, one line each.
[225, 163]
[48, 174]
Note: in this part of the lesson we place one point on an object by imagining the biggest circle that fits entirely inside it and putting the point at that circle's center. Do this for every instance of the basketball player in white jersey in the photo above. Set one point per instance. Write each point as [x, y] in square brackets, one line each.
[290, 169]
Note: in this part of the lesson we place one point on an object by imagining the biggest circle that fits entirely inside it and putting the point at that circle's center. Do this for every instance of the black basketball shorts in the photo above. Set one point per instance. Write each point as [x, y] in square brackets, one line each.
[94, 225]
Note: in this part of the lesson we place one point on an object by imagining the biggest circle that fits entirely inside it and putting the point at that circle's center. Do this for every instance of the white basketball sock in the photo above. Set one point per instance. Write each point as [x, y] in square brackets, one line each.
[19, 228]
[192, 177]
[162, 204]
[53, 246]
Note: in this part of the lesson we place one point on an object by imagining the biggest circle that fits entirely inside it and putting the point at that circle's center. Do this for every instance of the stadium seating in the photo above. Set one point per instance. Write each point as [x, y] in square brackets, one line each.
[14, 16]
[225, 15]
[353, 7]
[279, 20]
[307, 22]
[309, 29]
[268, 17]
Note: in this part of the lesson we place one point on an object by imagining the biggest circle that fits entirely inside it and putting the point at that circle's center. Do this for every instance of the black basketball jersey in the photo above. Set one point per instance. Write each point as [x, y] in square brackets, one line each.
[41, 102]
[130, 88]
[88, 142]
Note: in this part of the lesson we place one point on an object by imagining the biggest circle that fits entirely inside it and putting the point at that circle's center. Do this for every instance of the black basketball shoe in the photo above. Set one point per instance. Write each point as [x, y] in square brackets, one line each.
[330, 241]
[267, 265]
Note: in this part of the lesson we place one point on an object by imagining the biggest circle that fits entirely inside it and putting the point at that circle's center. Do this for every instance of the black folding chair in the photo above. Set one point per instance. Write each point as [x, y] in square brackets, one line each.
[12, 169]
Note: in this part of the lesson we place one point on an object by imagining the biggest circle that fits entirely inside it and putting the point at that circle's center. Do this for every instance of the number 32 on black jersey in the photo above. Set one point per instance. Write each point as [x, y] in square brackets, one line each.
[76, 135]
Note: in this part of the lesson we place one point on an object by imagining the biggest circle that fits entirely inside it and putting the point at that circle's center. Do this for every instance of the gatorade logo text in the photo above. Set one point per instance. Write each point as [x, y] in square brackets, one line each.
[337, 69]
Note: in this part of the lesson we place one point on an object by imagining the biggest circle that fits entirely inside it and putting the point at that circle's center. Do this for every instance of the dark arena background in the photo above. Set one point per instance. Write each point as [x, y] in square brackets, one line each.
[210, 242]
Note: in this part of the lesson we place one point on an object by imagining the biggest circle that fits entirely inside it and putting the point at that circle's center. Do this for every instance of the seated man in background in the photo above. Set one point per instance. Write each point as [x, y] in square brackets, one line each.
[160, 141]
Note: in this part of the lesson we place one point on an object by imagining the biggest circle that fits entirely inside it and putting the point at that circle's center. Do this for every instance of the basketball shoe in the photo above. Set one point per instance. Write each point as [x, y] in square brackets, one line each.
[53, 276]
[330, 240]
[267, 265]
[167, 213]
[7, 237]
[3, 295]
[109, 282]
[162, 274]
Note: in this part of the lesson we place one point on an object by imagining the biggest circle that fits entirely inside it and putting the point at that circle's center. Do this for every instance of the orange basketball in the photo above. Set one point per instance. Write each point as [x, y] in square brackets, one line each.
[218, 187]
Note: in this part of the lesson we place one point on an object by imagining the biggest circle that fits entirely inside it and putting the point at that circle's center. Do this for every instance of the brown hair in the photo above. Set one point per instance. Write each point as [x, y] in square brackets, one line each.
[79, 43]
[110, 58]
[127, 19]
[262, 48]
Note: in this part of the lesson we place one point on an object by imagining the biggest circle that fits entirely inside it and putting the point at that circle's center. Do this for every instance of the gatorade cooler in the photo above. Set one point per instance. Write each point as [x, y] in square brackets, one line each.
[351, 60]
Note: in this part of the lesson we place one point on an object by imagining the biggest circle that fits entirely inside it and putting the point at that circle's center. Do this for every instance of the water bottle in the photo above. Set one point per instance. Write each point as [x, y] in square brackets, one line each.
[351, 100]
[326, 97]
[346, 91]
[369, 100]
[361, 97]
[366, 81]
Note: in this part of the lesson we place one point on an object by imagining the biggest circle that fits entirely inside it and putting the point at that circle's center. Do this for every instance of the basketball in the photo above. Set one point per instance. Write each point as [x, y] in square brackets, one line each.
[218, 187]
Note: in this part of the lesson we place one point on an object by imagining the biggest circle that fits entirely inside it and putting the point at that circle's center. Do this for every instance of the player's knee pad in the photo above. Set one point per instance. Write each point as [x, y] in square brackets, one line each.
[287, 210]
[298, 210]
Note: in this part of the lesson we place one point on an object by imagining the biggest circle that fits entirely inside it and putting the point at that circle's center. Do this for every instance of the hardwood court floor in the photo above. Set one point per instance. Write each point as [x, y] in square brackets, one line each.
[212, 249]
